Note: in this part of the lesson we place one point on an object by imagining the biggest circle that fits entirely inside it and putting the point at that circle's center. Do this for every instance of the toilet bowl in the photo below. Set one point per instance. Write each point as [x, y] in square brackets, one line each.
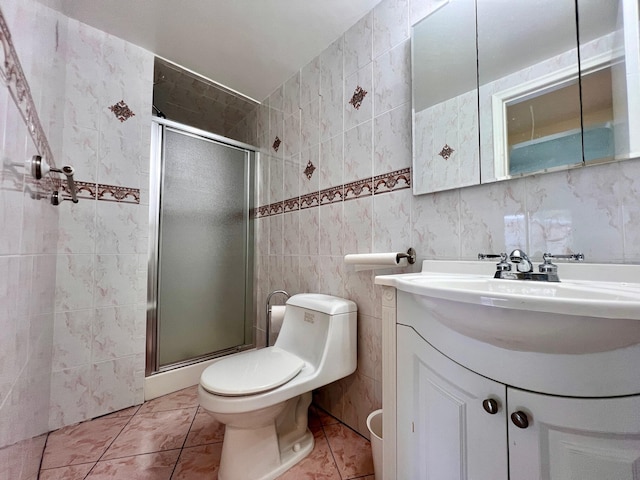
[262, 396]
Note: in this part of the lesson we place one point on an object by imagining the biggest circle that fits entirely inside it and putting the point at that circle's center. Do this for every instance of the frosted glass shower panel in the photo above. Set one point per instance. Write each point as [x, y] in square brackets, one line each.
[203, 238]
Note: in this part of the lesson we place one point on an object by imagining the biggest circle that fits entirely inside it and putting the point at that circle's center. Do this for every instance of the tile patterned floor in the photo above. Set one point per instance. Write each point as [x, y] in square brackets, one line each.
[171, 438]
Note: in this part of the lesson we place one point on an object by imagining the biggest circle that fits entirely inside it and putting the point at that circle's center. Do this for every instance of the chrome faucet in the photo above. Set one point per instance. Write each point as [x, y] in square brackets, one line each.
[548, 272]
[523, 264]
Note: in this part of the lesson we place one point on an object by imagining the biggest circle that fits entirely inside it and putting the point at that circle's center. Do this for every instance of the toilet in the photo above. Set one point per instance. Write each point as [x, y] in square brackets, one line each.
[262, 396]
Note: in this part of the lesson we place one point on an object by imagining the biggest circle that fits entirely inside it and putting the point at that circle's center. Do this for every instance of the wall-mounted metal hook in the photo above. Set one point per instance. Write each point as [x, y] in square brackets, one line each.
[39, 167]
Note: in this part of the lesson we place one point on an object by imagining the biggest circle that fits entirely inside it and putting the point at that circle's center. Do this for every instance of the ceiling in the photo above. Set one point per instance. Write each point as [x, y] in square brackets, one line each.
[250, 46]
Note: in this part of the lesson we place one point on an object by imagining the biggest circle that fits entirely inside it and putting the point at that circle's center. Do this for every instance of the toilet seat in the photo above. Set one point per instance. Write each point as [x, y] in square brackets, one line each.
[251, 372]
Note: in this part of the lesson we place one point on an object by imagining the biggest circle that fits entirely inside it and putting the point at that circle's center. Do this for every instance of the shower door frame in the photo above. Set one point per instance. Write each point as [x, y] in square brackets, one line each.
[156, 181]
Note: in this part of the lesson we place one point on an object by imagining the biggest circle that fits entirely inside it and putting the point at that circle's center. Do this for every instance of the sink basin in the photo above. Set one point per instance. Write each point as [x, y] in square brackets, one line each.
[571, 317]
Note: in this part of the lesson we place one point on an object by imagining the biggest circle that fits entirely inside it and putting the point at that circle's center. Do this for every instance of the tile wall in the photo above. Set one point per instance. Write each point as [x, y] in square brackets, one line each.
[301, 239]
[73, 286]
[100, 301]
[28, 233]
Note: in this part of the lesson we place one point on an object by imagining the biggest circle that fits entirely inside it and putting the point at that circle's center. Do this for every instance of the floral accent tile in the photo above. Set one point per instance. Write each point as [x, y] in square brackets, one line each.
[358, 97]
[122, 111]
[446, 152]
[276, 143]
[309, 170]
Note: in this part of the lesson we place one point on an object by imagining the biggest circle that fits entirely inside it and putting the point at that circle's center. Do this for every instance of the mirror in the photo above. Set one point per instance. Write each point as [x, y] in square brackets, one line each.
[445, 107]
[543, 104]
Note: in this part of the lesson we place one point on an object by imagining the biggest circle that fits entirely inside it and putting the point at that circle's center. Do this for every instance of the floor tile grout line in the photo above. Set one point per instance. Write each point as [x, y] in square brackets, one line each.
[44, 449]
[333, 457]
[109, 446]
[175, 465]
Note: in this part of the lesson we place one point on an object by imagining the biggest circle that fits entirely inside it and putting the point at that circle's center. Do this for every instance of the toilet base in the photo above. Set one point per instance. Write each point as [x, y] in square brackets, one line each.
[264, 444]
[260, 461]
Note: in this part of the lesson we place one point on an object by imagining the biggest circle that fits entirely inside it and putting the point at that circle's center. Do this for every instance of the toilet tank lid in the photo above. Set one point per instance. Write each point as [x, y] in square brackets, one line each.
[322, 303]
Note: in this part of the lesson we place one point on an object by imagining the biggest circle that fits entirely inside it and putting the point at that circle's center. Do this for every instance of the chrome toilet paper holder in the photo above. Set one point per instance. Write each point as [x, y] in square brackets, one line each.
[268, 311]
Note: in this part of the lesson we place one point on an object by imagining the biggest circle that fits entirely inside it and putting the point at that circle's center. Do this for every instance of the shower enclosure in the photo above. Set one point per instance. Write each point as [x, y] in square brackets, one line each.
[200, 261]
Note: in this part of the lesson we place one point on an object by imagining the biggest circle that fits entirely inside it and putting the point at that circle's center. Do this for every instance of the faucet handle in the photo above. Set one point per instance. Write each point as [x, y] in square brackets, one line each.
[486, 256]
[549, 267]
[502, 265]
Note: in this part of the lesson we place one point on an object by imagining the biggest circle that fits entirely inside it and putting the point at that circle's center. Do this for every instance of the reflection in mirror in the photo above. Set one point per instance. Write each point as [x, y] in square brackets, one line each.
[445, 102]
[609, 50]
[529, 93]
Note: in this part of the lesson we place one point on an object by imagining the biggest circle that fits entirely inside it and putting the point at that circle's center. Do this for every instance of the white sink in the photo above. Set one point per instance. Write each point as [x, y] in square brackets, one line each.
[574, 316]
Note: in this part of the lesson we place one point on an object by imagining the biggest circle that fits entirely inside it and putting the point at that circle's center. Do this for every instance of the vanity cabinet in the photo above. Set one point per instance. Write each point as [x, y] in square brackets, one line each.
[453, 423]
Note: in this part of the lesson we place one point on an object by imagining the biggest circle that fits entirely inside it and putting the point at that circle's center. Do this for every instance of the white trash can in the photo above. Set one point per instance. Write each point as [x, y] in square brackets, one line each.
[374, 424]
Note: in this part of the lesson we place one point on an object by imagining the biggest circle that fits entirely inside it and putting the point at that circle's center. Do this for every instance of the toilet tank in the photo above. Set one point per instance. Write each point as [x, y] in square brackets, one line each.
[322, 330]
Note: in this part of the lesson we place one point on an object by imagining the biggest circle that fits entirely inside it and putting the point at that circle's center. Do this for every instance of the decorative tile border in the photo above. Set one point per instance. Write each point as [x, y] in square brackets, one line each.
[391, 181]
[384, 183]
[99, 191]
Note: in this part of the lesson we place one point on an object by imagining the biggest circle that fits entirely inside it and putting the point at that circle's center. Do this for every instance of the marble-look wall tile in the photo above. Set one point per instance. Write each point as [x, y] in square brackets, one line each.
[492, 218]
[77, 228]
[310, 82]
[291, 135]
[331, 275]
[116, 384]
[309, 231]
[275, 235]
[358, 224]
[370, 346]
[358, 45]
[576, 211]
[72, 339]
[309, 273]
[390, 24]
[332, 168]
[310, 124]
[331, 226]
[116, 280]
[291, 103]
[360, 81]
[70, 396]
[392, 78]
[331, 67]
[291, 274]
[392, 221]
[118, 332]
[121, 228]
[392, 140]
[358, 152]
[74, 282]
[291, 233]
[436, 225]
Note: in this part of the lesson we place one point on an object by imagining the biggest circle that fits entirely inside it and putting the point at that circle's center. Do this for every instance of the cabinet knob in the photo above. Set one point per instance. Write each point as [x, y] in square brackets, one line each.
[520, 419]
[490, 406]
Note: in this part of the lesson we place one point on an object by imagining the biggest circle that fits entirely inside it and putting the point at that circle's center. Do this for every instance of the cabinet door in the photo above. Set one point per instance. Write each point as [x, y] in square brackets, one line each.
[574, 438]
[444, 433]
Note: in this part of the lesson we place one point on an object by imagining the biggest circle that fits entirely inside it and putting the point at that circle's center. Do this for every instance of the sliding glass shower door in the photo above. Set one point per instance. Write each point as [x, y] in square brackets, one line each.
[202, 276]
